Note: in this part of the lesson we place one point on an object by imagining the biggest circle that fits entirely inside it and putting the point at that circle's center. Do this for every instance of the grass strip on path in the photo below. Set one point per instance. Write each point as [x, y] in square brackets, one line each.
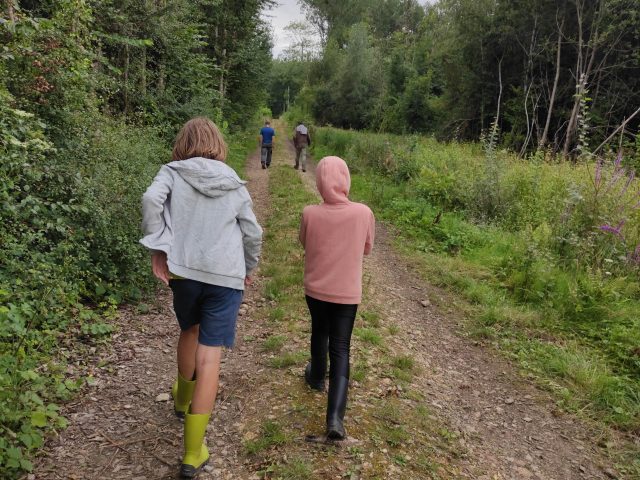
[395, 435]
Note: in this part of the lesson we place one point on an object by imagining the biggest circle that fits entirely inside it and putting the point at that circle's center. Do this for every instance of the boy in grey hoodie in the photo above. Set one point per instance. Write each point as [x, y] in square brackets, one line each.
[205, 241]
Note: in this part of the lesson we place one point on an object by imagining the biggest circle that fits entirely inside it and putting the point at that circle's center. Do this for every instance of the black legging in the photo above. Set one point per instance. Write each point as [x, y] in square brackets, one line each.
[331, 326]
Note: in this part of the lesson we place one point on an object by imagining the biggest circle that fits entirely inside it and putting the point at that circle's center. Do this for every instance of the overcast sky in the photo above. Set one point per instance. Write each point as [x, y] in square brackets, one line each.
[286, 12]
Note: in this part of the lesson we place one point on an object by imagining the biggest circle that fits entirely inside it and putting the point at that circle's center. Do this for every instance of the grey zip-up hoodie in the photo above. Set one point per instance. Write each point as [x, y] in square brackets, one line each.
[199, 213]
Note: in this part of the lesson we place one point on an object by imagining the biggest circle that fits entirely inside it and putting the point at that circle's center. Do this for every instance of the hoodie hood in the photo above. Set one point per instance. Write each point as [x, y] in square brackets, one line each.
[212, 178]
[333, 180]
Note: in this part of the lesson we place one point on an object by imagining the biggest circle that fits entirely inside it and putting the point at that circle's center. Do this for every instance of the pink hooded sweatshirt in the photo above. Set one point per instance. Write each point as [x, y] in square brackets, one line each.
[336, 235]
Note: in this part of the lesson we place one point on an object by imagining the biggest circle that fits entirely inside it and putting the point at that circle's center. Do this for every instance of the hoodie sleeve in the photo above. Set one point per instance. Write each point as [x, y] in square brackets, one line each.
[153, 203]
[302, 236]
[251, 233]
[371, 233]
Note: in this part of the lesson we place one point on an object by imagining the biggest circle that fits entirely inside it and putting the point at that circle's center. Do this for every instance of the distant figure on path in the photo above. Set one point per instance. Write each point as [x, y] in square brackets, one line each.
[301, 140]
[205, 241]
[335, 235]
[266, 144]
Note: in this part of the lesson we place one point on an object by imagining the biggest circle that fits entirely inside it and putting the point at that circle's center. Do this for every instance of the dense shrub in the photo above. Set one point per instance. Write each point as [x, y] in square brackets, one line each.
[70, 255]
[69, 236]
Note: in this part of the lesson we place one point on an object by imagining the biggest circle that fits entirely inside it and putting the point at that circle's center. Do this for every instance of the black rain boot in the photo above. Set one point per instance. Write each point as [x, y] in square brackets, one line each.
[313, 384]
[336, 406]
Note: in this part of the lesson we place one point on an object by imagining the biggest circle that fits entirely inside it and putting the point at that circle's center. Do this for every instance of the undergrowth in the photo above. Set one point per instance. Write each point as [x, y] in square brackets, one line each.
[547, 278]
[69, 257]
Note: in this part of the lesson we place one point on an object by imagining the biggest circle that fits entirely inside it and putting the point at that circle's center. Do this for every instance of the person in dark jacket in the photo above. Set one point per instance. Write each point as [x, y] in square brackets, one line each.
[301, 140]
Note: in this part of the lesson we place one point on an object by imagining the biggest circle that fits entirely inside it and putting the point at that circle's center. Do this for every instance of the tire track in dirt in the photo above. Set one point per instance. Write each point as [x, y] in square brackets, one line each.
[510, 428]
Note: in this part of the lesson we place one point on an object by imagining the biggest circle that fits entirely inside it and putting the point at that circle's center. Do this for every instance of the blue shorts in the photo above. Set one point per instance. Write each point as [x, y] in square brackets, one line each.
[212, 307]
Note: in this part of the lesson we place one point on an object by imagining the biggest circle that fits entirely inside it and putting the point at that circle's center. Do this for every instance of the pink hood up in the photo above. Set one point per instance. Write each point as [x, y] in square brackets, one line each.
[333, 180]
[336, 235]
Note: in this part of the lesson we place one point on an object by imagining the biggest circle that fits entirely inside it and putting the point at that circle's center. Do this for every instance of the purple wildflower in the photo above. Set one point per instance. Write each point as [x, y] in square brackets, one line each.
[598, 173]
[615, 230]
[615, 178]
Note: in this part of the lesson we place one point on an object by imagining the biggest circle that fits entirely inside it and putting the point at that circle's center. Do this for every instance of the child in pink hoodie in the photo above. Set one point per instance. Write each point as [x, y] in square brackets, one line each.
[336, 235]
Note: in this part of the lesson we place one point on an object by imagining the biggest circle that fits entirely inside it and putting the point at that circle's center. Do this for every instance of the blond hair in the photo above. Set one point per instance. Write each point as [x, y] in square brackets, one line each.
[199, 137]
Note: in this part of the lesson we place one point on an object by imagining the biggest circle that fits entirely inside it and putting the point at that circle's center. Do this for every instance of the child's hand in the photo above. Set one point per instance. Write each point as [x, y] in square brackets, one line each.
[159, 267]
[248, 280]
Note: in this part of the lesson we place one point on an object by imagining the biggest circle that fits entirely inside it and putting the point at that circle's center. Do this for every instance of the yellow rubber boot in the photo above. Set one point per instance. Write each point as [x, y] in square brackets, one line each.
[196, 454]
[182, 392]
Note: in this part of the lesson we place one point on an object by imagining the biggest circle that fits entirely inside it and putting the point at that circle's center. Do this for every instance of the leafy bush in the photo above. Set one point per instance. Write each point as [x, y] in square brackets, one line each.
[69, 236]
[70, 255]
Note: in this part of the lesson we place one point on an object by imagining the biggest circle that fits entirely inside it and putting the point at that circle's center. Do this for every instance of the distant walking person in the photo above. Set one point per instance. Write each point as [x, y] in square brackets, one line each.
[336, 235]
[204, 239]
[266, 144]
[301, 140]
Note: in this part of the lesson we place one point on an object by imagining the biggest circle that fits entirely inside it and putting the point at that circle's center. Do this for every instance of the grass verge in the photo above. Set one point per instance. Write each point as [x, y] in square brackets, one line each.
[575, 330]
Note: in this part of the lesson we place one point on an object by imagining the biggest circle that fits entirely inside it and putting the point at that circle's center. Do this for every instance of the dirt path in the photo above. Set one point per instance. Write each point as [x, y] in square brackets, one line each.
[510, 428]
[124, 427]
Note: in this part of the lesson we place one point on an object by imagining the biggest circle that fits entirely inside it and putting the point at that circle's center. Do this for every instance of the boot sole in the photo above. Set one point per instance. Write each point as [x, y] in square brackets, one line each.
[318, 388]
[189, 471]
[335, 435]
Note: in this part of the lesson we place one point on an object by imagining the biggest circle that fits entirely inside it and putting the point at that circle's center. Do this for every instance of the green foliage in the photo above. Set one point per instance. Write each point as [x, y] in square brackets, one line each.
[294, 469]
[539, 268]
[91, 93]
[368, 335]
[450, 67]
[274, 343]
[287, 359]
[271, 434]
[351, 84]
[286, 79]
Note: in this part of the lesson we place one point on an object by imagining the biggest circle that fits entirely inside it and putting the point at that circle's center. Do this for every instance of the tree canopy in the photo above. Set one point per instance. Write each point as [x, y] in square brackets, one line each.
[557, 74]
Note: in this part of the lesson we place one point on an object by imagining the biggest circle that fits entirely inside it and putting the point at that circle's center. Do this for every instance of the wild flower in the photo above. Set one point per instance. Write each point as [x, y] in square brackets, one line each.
[614, 201]
[598, 173]
[615, 230]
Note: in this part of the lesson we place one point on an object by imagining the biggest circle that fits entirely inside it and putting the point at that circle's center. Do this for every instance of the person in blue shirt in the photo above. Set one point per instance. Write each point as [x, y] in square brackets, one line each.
[266, 144]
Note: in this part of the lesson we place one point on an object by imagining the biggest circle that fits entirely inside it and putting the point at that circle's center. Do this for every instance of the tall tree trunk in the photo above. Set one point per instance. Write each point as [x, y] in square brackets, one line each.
[11, 12]
[126, 79]
[528, 85]
[554, 90]
[481, 90]
[143, 73]
[527, 137]
[583, 78]
[576, 97]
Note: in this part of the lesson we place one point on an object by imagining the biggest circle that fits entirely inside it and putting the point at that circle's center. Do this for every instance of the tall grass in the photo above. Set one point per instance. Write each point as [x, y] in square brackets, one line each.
[545, 252]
